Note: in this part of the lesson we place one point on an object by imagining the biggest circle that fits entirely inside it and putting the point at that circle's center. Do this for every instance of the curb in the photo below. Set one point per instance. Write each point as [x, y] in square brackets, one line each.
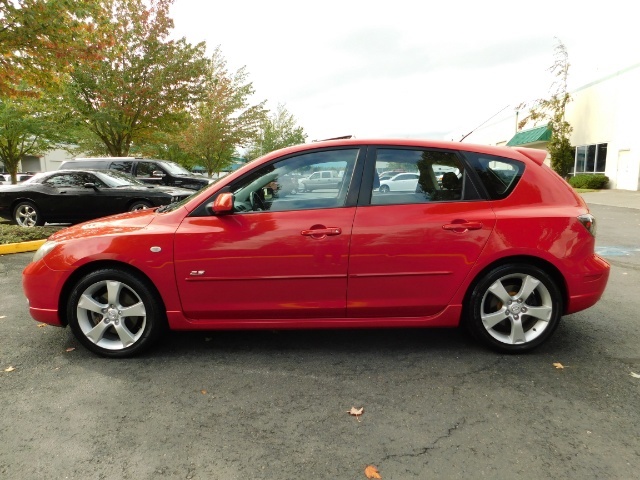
[21, 247]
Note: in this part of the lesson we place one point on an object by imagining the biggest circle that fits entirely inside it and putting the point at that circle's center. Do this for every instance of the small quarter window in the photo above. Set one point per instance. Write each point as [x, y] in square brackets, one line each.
[498, 175]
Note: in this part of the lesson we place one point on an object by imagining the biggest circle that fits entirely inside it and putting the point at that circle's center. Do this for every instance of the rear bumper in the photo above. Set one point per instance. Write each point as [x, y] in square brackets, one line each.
[587, 287]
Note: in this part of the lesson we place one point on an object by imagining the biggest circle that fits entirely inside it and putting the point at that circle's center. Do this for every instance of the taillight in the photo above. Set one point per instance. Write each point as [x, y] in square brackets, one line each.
[589, 222]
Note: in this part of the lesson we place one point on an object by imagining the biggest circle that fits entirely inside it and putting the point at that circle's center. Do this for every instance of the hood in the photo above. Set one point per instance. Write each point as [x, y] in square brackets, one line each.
[173, 191]
[115, 224]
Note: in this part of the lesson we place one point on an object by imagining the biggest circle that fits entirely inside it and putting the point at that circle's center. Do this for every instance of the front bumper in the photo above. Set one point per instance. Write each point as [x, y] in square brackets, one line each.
[42, 287]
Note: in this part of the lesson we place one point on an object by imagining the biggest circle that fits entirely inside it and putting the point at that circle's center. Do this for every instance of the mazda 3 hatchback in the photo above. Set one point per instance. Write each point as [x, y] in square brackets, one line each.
[506, 250]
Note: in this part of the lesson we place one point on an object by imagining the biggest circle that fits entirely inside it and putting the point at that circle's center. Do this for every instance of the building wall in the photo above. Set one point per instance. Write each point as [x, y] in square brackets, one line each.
[53, 159]
[604, 111]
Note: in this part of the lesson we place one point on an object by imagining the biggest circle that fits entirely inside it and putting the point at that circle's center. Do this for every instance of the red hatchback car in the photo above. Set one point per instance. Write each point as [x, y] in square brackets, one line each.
[505, 247]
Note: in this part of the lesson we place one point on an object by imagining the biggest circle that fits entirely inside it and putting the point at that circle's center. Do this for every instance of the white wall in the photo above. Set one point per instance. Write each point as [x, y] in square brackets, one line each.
[605, 111]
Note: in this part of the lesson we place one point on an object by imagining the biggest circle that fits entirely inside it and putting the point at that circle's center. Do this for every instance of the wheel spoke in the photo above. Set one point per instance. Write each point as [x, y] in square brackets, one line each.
[126, 337]
[498, 290]
[543, 313]
[97, 332]
[87, 302]
[136, 310]
[517, 334]
[490, 320]
[113, 288]
[529, 284]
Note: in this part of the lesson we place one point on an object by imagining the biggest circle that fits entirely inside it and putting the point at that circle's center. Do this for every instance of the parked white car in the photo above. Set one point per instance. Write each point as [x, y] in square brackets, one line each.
[5, 178]
[402, 182]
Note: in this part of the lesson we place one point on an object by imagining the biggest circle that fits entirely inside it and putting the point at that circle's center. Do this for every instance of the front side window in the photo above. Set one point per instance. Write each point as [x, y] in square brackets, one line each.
[419, 176]
[148, 169]
[311, 180]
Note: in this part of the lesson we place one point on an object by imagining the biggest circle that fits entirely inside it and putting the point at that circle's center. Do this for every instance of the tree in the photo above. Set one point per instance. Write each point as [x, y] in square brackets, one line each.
[166, 146]
[143, 83]
[38, 38]
[28, 126]
[225, 119]
[553, 110]
[277, 131]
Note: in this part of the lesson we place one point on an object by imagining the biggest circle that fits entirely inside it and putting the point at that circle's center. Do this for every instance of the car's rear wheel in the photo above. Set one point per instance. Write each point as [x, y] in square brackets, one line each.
[139, 205]
[514, 308]
[384, 189]
[26, 214]
[115, 313]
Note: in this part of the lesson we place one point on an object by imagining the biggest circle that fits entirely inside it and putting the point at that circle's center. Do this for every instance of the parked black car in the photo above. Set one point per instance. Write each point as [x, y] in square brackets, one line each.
[155, 172]
[72, 196]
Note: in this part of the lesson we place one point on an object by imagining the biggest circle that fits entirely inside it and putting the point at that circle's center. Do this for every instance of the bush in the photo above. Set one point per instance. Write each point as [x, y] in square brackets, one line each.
[596, 182]
[16, 234]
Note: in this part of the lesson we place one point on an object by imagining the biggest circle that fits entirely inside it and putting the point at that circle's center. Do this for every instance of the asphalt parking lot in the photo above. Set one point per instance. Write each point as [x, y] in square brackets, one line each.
[273, 405]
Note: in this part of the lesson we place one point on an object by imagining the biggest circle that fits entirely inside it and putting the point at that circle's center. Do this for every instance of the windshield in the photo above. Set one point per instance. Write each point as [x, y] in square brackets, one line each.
[174, 168]
[114, 178]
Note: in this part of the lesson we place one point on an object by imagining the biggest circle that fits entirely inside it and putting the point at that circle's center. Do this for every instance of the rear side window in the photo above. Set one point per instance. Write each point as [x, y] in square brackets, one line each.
[411, 175]
[121, 166]
[498, 175]
[83, 164]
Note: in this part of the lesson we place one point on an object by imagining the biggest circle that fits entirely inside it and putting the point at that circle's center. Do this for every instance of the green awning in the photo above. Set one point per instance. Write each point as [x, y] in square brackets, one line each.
[539, 134]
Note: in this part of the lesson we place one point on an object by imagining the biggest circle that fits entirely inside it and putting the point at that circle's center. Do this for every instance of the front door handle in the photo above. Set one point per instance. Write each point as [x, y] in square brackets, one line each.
[321, 232]
[461, 226]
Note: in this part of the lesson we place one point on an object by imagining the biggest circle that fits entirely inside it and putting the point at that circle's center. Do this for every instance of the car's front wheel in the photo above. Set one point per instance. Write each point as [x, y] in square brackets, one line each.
[26, 214]
[514, 308]
[115, 313]
[139, 205]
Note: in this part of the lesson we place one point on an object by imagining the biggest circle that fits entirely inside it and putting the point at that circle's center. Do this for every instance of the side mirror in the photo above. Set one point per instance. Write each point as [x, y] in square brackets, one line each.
[90, 185]
[223, 204]
[157, 173]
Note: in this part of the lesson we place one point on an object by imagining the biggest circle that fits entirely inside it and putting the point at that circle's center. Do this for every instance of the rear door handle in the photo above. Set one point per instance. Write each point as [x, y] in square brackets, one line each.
[462, 226]
[321, 232]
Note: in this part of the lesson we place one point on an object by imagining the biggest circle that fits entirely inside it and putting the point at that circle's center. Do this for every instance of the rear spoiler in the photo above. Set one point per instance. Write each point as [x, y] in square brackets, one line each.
[537, 155]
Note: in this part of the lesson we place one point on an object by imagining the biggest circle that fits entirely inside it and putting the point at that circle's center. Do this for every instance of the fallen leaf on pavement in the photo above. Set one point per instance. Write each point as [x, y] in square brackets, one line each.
[70, 349]
[2, 316]
[635, 375]
[372, 472]
[558, 365]
[9, 369]
[41, 325]
[204, 392]
[356, 412]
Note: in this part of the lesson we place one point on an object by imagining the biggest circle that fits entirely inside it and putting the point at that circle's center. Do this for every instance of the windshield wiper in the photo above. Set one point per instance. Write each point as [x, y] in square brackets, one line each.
[164, 208]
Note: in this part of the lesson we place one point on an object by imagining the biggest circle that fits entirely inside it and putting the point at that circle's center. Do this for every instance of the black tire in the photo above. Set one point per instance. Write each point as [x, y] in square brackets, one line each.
[26, 214]
[96, 308]
[514, 308]
[384, 189]
[140, 205]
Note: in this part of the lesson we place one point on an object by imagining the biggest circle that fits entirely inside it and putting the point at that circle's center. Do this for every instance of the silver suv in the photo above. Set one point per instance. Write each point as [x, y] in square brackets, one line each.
[155, 172]
[323, 179]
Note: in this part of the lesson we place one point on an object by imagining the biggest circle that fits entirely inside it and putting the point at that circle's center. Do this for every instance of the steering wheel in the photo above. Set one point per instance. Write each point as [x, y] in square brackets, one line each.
[256, 202]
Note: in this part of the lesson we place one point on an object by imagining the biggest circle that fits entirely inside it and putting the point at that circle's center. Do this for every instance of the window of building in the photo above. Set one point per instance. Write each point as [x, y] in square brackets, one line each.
[590, 158]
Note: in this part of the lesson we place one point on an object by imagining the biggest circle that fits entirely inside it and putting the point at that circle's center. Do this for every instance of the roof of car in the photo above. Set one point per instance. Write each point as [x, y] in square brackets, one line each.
[535, 155]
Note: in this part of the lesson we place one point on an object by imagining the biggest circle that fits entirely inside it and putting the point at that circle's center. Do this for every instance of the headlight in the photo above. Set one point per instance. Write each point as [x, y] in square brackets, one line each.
[43, 250]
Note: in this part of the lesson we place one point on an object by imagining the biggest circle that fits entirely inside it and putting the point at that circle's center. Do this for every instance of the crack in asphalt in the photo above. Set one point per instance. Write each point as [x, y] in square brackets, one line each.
[424, 450]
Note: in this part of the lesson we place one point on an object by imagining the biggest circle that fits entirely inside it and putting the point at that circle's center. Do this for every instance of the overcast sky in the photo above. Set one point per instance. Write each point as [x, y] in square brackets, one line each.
[399, 68]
